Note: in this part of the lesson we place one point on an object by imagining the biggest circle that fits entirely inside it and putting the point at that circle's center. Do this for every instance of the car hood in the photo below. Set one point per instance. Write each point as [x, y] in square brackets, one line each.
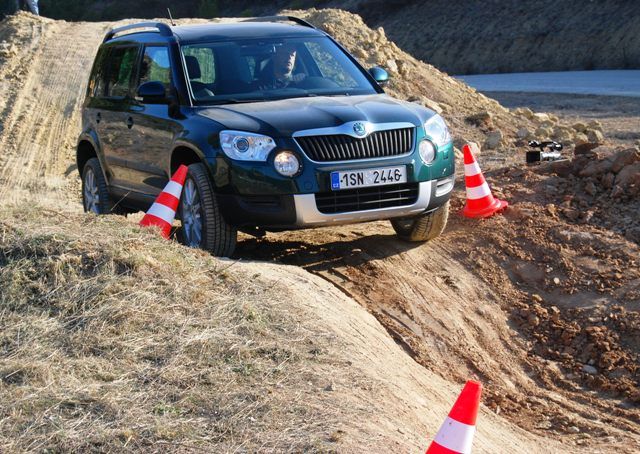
[282, 118]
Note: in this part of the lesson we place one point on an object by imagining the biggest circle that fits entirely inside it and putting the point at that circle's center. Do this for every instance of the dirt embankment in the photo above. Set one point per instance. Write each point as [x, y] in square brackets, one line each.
[472, 37]
[156, 347]
[153, 347]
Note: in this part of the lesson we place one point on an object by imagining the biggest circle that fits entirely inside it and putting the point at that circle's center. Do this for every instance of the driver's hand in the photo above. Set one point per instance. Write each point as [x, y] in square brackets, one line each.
[298, 77]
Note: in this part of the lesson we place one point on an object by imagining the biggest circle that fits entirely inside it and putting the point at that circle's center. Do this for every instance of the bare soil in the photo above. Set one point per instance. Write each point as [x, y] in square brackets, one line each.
[154, 346]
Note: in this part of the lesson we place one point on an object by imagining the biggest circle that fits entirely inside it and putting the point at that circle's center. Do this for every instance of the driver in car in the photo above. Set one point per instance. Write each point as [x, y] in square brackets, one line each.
[279, 72]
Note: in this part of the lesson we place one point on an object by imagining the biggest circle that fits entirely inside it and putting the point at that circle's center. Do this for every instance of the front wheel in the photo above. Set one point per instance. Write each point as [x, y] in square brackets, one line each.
[424, 227]
[202, 223]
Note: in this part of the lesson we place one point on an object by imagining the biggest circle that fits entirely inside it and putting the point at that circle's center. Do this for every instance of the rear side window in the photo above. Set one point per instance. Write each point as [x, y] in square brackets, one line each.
[98, 76]
[122, 61]
[155, 66]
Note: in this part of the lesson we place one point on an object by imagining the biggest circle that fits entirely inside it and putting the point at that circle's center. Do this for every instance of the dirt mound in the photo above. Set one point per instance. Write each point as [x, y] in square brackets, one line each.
[587, 313]
[600, 187]
[107, 347]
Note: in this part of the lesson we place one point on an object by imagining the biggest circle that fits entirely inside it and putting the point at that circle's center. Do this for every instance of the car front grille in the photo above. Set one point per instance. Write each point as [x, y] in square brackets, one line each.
[341, 147]
[393, 195]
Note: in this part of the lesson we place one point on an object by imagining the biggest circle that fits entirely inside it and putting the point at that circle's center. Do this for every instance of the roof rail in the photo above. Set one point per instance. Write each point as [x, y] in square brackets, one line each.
[162, 28]
[297, 20]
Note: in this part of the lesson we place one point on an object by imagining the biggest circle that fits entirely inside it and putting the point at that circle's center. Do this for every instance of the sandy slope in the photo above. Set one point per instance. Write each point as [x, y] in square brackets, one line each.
[43, 88]
[449, 321]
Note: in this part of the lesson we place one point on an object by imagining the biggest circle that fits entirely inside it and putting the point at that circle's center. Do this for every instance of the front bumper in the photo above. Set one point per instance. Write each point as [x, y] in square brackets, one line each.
[301, 211]
[431, 195]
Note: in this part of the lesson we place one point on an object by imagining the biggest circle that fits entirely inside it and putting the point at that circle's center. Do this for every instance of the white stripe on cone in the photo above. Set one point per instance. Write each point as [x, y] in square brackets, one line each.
[478, 192]
[163, 212]
[455, 436]
[471, 169]
[173, 188]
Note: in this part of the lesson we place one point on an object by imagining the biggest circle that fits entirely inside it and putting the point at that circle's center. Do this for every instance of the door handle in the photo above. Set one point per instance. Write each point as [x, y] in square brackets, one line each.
[130, 122]
[98, 117]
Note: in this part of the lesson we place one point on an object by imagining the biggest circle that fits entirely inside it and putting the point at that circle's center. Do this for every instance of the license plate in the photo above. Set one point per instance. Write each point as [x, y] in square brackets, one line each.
[368, 177]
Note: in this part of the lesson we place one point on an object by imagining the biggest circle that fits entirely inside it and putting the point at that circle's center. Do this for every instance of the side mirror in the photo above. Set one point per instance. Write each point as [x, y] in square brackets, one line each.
[380, 75]
[152, 92]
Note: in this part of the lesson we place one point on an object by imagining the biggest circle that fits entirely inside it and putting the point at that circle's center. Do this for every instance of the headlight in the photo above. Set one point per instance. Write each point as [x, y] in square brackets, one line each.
[437, 130]
[427, 151]
[246, 146]
[286, 163]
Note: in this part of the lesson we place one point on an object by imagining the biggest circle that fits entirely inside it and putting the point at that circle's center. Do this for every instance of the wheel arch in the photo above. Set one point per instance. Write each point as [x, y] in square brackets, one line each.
[187, 155]
[89, 147]
[84, 151]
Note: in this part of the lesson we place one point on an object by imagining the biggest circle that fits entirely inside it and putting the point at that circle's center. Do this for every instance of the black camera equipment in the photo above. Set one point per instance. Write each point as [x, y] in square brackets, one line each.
[552, 153]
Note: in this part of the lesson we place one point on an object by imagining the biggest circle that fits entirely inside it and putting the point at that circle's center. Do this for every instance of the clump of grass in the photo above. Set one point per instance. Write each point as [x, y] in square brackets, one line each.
[114, 339]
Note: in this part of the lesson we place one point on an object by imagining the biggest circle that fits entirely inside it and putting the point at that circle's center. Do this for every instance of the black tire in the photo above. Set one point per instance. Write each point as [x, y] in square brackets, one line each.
[95, 192]
[422, 228]
[216, 236]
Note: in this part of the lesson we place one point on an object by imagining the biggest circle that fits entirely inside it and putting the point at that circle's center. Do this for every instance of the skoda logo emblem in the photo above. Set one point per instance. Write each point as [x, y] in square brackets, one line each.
[359, 129]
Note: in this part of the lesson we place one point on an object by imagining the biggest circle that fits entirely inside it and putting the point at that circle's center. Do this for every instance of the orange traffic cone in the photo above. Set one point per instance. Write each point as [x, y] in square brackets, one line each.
[480, 202]
[163, 211]
[456, 433]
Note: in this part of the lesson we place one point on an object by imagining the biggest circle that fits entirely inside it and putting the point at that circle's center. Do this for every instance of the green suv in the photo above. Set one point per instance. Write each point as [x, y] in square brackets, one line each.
[280, 127]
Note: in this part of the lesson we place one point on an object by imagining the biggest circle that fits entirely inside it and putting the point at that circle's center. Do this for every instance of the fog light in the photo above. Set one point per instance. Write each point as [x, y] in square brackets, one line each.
[286, 163]
[427, 151]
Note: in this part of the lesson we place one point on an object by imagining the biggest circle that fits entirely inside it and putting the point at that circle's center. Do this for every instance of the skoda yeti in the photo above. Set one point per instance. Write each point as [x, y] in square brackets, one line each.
[280, 127]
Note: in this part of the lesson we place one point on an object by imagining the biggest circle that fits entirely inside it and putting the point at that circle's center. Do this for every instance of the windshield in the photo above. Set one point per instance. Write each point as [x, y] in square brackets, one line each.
[260, 70]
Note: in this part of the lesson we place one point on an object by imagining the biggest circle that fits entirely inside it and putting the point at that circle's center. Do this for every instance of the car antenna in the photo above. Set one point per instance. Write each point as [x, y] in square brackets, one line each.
[171, 17]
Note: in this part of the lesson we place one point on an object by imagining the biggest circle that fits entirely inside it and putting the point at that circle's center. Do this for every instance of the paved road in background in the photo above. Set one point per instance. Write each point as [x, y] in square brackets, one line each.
[609, 83]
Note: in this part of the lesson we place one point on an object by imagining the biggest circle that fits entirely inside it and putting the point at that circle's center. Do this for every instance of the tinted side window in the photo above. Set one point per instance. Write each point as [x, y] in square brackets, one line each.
[155, 66]
[122, 61]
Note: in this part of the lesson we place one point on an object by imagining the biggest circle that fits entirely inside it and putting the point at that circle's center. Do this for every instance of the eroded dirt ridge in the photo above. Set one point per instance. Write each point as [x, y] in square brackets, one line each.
[541, 304]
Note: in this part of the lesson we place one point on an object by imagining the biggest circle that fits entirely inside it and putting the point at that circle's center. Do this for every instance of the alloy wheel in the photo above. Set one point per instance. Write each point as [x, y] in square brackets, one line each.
[191, 214]
[91, 193]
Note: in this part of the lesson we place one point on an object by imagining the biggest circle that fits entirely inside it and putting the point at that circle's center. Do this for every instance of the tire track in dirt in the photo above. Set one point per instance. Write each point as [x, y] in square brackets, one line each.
[20, 45]
[42, 123]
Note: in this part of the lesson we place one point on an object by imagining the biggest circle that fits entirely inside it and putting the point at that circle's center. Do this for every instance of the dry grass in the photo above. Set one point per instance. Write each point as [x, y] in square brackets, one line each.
[112, 339]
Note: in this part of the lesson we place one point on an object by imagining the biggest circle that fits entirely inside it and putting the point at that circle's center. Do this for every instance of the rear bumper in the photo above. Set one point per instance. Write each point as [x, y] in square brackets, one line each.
[301, 210]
